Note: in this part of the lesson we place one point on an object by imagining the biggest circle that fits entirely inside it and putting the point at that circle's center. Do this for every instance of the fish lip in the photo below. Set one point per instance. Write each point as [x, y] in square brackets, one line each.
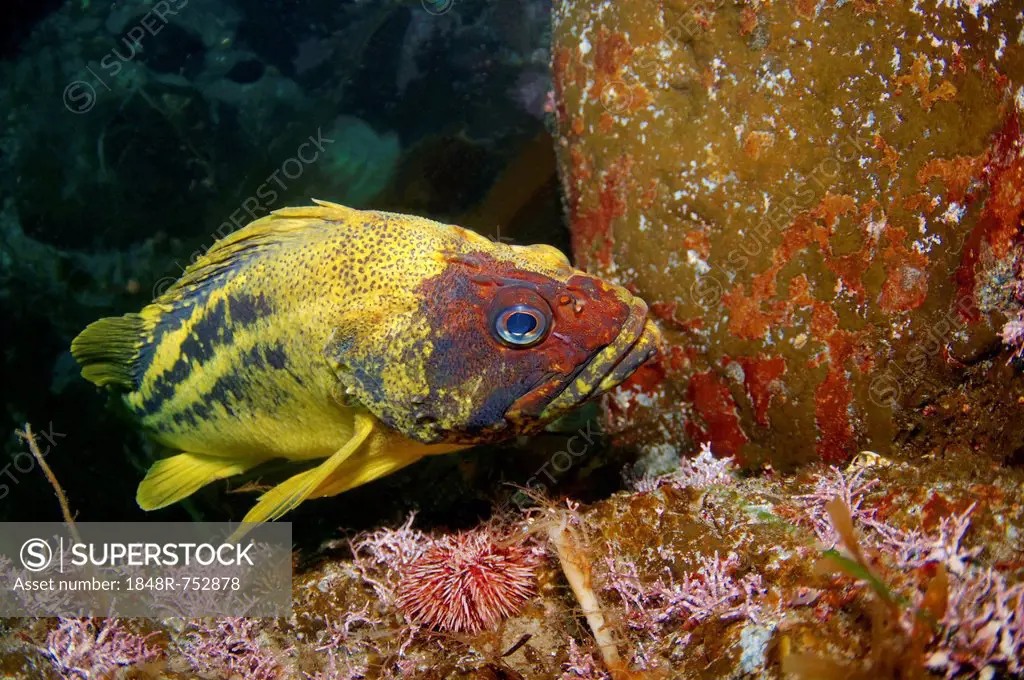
[647, 345]
[638, 341]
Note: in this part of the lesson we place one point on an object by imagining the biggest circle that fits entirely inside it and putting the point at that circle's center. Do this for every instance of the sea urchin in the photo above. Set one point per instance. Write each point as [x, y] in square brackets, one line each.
[467, 582]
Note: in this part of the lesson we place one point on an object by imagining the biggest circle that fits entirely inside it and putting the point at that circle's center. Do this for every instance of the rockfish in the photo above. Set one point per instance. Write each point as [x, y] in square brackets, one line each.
[363, 340]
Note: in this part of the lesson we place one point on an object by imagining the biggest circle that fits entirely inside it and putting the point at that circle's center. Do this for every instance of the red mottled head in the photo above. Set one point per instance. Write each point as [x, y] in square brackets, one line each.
[502, 340]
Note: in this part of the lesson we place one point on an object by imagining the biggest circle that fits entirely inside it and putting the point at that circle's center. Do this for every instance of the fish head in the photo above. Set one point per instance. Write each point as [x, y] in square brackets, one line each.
[504, 339]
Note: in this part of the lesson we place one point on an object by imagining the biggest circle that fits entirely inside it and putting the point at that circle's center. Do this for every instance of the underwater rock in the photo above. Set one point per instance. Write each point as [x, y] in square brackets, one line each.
[820, 201]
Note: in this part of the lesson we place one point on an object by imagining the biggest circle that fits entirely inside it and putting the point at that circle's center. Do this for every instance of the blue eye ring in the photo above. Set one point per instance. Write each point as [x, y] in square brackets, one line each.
[520, 326]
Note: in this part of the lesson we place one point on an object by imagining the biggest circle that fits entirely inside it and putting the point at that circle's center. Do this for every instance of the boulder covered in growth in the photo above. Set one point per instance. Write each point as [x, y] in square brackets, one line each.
[821, 202]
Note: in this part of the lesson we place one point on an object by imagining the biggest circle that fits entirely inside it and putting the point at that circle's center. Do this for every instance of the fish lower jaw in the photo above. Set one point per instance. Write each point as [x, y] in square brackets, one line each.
[643, 350]
[638, 342]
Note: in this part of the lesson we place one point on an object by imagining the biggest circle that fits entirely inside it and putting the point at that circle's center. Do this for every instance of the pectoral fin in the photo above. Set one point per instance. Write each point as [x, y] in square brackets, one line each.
[172, 479]
[290, 493]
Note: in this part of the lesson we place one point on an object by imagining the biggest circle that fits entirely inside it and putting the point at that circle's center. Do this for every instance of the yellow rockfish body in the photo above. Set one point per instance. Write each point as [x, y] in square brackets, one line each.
[365, 339]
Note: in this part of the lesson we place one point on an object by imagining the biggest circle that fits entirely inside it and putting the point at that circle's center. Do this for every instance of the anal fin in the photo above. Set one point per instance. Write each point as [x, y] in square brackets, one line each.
[172, 479]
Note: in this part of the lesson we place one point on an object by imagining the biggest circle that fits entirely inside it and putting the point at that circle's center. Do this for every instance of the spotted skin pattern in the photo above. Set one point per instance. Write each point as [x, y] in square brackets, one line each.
[291, 332]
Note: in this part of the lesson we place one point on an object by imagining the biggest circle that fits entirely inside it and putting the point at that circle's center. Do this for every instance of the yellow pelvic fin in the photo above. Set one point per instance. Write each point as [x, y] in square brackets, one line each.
[290, 493]
[172, 479]
[364, 470]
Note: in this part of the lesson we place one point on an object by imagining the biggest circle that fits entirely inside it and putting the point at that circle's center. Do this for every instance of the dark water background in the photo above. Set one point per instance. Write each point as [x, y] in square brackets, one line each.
[136, 133]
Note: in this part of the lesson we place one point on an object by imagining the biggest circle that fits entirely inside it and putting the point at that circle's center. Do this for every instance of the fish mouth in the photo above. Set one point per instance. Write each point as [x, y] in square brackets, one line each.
[637, 341]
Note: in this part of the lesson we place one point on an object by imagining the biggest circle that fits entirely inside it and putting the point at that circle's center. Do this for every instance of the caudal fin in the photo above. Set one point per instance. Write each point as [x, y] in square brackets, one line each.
[108, 350]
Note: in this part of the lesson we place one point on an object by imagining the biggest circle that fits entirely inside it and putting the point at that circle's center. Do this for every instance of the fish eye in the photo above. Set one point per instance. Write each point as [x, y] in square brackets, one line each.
[520, 326]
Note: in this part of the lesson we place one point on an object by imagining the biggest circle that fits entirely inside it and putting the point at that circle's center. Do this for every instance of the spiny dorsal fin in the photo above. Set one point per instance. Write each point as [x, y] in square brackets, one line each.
[323, 210]
[277, 227]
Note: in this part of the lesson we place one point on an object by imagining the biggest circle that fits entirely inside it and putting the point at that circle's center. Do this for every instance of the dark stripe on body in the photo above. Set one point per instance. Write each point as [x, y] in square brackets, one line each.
[188, 298]
[240, 392]
[209, 334]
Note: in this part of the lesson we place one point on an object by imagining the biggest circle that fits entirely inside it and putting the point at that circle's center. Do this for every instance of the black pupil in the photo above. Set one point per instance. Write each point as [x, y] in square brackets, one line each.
[520, 323]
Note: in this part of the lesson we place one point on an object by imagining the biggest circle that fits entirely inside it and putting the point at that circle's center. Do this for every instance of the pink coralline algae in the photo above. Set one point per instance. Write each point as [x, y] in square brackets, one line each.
[339, 639]
[231, 647]
[338, 631]
[94, 648]
[339, 668]
[1013, 336]
[468, 582]
[393, 546]
[908, 548]
[381, 555]
[1012, 331]
[912, 549]
[711, 592]
[983, 625]
[699, 472]
[850, 489]
[581, 665]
